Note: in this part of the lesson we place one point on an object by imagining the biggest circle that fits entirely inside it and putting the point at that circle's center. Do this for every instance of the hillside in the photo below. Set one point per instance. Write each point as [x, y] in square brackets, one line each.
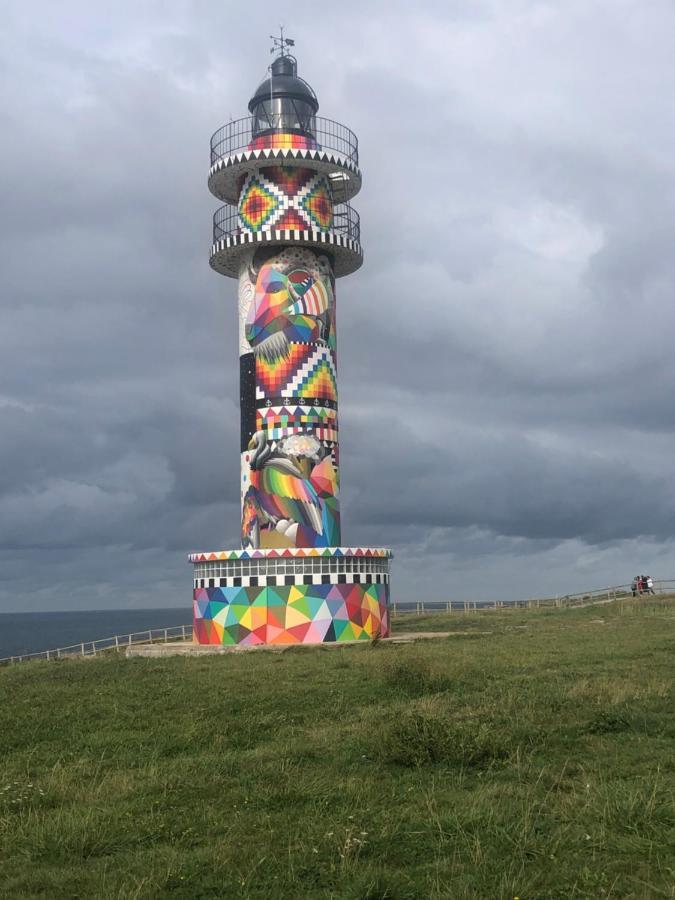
[529, 755]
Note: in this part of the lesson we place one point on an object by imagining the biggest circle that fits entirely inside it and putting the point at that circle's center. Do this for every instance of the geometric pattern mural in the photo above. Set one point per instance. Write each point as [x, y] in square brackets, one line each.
[258, 205]
[285, 197]
[288, 396]
[273, 375]
[305, 373]
[280, 421]
[291, 553]
[316, 202]
[293, 614]
[288, 179]
[316, 377]
[283, 141]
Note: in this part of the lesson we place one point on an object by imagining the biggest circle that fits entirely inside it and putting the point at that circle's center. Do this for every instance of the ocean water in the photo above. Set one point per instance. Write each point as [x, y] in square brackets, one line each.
[32, 632]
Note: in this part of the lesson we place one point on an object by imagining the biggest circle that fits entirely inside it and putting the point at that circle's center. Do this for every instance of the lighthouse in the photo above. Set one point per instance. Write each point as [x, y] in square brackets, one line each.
[285, 234]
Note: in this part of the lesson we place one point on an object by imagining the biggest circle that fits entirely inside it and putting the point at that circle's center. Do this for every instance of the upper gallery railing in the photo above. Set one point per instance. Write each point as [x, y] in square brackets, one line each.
[237, 136]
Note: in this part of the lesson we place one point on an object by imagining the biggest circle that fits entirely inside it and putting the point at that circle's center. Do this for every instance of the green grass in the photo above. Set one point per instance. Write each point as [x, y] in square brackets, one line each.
[535, 761]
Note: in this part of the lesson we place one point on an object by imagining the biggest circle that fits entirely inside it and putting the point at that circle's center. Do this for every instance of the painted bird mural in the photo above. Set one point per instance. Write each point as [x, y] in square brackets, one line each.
[292, 303]
[292, 498]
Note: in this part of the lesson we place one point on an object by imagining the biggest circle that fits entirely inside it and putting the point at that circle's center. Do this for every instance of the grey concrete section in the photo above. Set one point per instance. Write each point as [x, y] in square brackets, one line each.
[187, 648]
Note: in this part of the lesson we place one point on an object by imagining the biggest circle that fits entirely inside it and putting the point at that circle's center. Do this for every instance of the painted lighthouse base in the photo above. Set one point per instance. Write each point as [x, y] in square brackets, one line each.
[291, 596]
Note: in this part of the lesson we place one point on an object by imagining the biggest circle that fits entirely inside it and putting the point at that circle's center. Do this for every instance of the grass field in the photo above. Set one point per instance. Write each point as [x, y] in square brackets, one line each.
[528, 755]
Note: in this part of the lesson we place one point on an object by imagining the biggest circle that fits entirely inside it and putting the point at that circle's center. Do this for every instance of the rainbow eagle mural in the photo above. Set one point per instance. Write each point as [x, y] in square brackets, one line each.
[290, 480]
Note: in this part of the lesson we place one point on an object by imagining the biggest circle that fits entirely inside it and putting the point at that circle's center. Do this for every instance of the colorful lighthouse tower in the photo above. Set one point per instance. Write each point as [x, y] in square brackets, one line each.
[286, 233]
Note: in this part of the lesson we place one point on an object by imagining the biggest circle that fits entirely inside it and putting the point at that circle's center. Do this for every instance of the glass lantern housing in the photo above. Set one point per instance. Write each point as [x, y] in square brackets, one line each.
[284, 103]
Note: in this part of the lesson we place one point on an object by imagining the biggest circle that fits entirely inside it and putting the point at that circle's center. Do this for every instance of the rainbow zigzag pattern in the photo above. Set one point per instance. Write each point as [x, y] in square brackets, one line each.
[273, 376]
[316, 377]
[295, 614]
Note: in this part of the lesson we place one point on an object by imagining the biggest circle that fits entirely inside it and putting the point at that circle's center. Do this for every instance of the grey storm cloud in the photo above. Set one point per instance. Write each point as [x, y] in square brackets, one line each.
[507, 423]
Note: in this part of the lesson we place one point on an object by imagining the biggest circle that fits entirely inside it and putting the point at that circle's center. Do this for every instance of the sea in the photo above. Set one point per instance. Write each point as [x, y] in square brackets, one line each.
[22, 633]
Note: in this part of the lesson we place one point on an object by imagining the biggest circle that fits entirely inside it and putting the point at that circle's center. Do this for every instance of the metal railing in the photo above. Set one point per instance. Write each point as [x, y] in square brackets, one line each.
[421, 607]
[118, 642]
[237, 136]
[345, 221]
[597, 596]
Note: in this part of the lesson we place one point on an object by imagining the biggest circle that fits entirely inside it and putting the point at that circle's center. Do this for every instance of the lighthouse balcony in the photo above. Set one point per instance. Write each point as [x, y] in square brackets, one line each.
[241, 147]
[233, 242]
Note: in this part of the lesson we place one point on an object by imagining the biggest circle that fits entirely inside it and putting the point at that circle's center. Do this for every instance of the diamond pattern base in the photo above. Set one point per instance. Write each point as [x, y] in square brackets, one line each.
[291, 614]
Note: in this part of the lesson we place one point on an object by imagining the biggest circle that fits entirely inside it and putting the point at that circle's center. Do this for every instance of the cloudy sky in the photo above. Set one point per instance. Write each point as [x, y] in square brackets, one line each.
[506, 352]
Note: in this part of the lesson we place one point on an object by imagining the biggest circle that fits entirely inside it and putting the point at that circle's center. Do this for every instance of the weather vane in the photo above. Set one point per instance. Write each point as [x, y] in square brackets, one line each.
[280, 43]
